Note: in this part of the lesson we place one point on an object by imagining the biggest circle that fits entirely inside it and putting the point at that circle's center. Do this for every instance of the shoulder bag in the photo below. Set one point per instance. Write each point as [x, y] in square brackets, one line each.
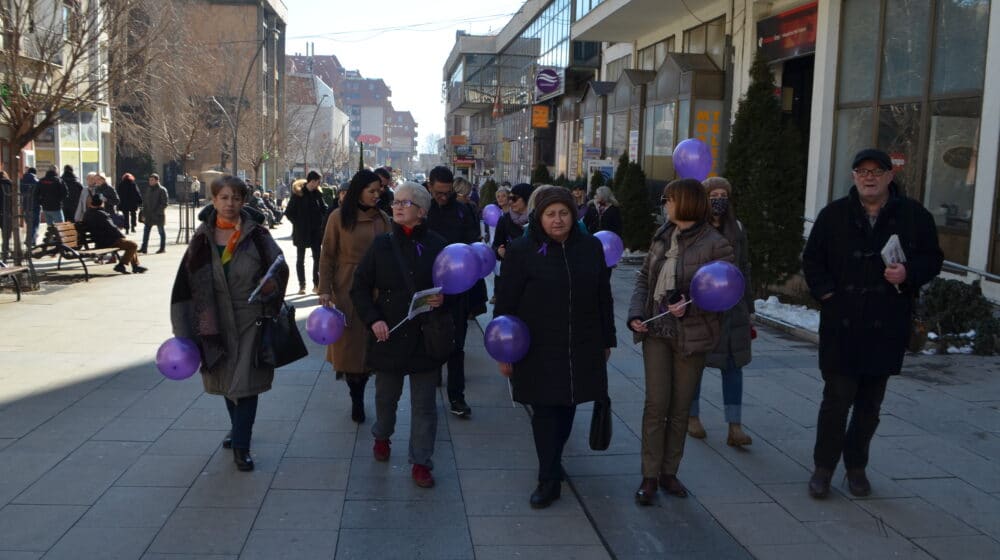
[600, 425]
[278, 340]
[436, 326]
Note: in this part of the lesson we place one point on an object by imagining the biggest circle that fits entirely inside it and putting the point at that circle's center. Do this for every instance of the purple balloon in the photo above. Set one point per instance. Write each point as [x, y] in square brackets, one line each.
[491, 214]
[487, 258]
[507, 339]
[455, 269]
[693, 159]
[613, 246]
[178, 358]
[717, 286]
[325, 325]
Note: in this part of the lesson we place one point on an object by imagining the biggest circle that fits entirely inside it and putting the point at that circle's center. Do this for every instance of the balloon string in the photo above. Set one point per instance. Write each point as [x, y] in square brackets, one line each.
[665, 313]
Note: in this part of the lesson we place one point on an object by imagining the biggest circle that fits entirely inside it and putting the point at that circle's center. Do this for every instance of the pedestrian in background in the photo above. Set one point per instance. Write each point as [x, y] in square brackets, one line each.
[29, 205]
[307, 211]
[603, 213]
[385, 192]
[733, 351]
[866, 309]
[556, 281]
[674, 346]
[580, 198]
[154, 212]
[76, 202]
[106, 234]
[224, 263]
[511, 224]
[52, 195]
[350, 231]
[8, 219]
[130, 201]
[381, 295]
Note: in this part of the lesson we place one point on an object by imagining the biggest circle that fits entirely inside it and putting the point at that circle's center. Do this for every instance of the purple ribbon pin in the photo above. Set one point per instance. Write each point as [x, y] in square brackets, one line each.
[544, 249]
[420, 249]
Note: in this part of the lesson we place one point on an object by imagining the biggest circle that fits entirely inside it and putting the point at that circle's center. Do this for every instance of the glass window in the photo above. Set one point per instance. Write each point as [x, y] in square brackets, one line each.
[715, 41]
[588, 132]
[950, 184]
[659, 140]
[857, 54]
[854, 133]
[904, 55]
[683, 120]
[960, 53]
[694, 40]
[899, 136]
[615, 67]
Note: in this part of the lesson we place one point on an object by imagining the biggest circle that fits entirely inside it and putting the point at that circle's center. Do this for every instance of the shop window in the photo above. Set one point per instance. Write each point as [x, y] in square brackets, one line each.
[859, 42]
[898, 134]
[904, 54]
[708, 38]
[950, 185]
[854, 133]
[659, 140]
[960, 56]
[616, 67]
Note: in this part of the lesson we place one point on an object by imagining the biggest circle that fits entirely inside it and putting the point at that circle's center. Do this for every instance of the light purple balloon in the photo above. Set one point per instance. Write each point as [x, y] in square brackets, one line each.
[178, 358]
[717, 286]
[693, 159]
[455, 269]
[491, 214]
[612, 245]
[325, 325]
[507, 339]
[487, 258]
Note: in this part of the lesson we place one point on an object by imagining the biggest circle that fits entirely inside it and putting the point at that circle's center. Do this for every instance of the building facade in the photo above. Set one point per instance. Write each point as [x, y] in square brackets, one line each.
[317, 132]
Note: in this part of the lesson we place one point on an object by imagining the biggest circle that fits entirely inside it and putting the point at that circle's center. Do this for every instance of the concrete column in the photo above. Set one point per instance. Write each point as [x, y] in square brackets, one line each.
[823, 118]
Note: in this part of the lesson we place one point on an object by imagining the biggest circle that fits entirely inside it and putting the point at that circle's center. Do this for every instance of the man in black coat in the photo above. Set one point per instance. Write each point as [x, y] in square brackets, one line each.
[51, 193]
[106, 234]
[456, 223]
[867, 309]
[385, 195]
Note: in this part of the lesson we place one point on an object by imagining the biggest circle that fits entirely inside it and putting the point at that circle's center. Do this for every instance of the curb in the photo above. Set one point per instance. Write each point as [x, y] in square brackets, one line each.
[787, 328]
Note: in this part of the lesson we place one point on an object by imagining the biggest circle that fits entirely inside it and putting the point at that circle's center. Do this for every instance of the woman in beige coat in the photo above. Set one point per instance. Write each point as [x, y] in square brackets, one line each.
[350, 230]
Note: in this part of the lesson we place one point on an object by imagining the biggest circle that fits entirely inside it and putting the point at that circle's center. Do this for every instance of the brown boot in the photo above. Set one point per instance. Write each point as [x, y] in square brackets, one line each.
[646, 492]
[737, 437]
[857, 483]
[673, 486]
[819, 484]
[695, 429]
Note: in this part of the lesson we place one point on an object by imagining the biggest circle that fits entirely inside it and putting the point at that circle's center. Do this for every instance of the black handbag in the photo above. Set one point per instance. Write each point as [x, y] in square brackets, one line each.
[600, 425]
[278, 340]
[436, 326]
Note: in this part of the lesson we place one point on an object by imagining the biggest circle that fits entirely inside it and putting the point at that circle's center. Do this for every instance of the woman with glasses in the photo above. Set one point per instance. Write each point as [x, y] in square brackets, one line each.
[397, 264]
[675, 333]
[733, 351]
[349, 233]
[512, 223]
[603, 213]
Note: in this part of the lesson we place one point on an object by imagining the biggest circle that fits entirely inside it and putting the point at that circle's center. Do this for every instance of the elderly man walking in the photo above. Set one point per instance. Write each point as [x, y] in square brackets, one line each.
[867, 308]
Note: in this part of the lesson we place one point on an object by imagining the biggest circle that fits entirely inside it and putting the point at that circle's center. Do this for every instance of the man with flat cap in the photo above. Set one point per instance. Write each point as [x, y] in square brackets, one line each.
[866, 308]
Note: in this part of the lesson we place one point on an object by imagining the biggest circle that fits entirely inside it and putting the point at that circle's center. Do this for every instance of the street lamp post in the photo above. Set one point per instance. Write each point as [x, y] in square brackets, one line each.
[235, 121]
[232, 125]
[305, 156]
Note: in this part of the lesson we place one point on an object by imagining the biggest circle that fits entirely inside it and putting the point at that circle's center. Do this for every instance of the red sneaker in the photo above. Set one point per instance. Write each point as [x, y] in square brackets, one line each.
[422, 476]
[381, 450]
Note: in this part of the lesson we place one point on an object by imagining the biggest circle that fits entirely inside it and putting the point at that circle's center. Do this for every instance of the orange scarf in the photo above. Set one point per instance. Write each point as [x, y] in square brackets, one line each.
[222, 223]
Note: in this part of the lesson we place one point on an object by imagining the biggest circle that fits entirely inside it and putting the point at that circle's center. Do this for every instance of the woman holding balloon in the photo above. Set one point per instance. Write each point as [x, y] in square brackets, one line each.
[678, 334]
[381, 294]
[226, 259]
[349, 233]
[556, 281]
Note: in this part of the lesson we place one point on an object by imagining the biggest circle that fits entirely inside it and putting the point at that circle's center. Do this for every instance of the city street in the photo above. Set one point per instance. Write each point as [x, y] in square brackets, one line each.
[102, 457]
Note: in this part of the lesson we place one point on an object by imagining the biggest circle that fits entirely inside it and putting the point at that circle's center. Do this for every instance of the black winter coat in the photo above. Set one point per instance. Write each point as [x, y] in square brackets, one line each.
[102, 229]
[562, 291]
[380, 293]
[610, 220]
[307, 212]
[507, 231]
[51, 193]
[454, 221]
[129, 195]
[865, 326]
[74, 189]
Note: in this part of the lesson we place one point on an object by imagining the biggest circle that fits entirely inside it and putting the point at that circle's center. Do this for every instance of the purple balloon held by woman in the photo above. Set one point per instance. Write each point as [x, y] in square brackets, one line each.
[507, 339]
[717, 286]
[178, 358]
[325, 325]
[491, 214]
[455, 269]
[487, 258]
[692, 159]
[612, 245]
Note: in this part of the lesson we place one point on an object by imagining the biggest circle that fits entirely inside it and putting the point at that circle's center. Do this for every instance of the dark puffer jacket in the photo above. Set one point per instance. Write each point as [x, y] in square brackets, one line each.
[865, 326]
[380, 293]
[562, 291]
[734, 335]
[307, 212]
[700, 244]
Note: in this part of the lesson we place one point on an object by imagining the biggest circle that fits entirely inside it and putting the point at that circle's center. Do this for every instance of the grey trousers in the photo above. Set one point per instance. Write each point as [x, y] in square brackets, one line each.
[423, 411]
[671, 381]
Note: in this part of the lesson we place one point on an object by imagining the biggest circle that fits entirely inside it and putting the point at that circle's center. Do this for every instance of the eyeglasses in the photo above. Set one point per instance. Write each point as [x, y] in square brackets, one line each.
[402, 203]
[664, 200]
[861, 172]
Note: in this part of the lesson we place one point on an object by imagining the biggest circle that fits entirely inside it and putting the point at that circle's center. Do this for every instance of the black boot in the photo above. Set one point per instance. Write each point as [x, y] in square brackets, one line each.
[243, 460]
[356, 383]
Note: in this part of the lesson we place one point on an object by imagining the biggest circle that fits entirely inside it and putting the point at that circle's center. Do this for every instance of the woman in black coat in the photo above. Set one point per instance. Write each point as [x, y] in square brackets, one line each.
[603, 213]
[556, 281]
[307, 212]
[381, 294]
[130, 201]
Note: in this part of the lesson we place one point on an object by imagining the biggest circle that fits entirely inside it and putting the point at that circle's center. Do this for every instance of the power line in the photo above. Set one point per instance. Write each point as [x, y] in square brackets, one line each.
[439, 25]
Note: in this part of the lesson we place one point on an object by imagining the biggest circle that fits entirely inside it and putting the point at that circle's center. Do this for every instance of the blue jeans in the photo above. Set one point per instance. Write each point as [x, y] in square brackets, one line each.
[145, 236]
[732, 393]
[54, 216]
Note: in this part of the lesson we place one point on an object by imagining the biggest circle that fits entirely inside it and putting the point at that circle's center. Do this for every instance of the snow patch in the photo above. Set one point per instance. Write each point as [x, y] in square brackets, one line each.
[797, 315]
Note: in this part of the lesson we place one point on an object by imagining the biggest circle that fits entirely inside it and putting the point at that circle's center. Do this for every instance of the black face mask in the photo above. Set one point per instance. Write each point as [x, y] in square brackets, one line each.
[720, 206]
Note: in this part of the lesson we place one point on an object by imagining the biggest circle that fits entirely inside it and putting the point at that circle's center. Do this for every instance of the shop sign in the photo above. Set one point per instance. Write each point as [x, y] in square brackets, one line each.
[458, 140]
[463, 151]
[549, 82]
[539, 116]
[789, 34]
[590, 152]
[478, 151]
[708, 128]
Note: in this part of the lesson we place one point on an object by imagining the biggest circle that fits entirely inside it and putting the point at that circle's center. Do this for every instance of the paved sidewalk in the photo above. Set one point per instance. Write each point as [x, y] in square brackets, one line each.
[101, 457]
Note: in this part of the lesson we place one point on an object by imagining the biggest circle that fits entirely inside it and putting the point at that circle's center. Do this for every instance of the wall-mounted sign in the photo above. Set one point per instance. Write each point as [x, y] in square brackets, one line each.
[549, 82]
[463, 151]
[539, 116]
[458, 140]
[788, 34]
[369, 139]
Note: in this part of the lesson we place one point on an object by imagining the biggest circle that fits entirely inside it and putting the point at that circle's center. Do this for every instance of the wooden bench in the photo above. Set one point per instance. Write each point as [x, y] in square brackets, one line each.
[67, 241]
[12, 272]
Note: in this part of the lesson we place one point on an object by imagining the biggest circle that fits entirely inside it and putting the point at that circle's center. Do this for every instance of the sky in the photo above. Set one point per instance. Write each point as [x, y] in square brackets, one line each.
[404, 42]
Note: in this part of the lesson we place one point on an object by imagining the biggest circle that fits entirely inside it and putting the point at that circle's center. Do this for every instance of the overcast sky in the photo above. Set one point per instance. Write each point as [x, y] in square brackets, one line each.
[404, 42]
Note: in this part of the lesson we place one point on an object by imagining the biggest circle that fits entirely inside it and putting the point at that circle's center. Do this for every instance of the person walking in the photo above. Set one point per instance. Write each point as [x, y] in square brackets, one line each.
[130, 201]
[306, 211]
[76, 199]
[154, 212]
[580, 198]
[8, 212]
[106, 234]
[675, 345]
[223, 264]
[30, 206]
[52, 195]
[603, 213]
[385, 193]
[556, 281]
[733, 351]
[395, 265]
[350, 231]
[866, 309]
[511, 224]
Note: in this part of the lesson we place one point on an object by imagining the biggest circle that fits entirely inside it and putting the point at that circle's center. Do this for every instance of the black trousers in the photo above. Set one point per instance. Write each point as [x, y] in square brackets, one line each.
[456, 362]
[131, 219]
[300, 265]
[242, 415]
[833, 433]
[551, 426]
